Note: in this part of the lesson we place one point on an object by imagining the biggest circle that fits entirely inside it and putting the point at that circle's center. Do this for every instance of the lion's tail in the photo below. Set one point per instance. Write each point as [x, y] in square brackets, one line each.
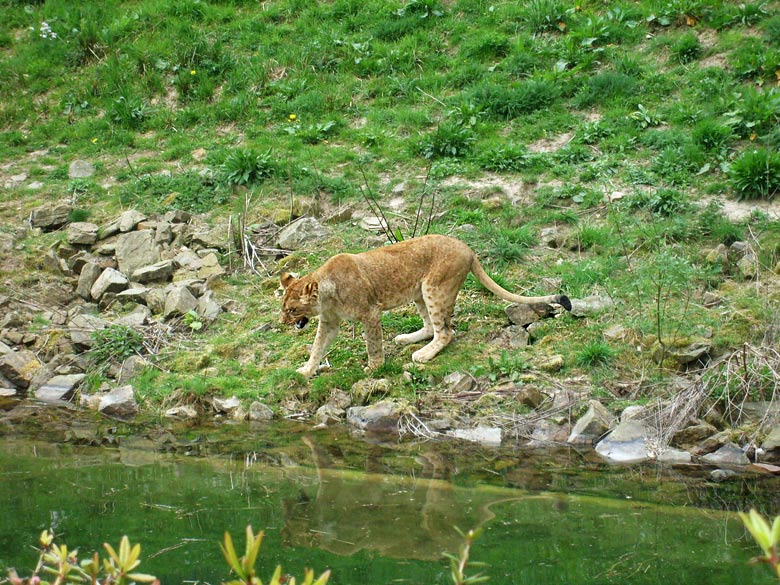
[497, 290]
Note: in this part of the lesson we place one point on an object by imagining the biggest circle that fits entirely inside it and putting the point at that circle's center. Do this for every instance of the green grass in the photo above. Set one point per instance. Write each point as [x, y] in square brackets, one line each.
[515, 117]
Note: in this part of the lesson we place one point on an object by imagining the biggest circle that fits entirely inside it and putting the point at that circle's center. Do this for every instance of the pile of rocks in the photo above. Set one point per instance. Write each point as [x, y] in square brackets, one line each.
[137, 271]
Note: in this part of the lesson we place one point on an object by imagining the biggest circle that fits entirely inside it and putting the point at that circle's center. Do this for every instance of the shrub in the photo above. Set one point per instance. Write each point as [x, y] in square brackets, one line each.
[509, 101]
[756, 174]
[594, 353]
[668, 202]
[545, 15]
[449, 140]
[604, 87]
[686, 49]
[711, 135]
[509, 158]
[130, 112]
[754, 112]
[488, 45]
[245, 166]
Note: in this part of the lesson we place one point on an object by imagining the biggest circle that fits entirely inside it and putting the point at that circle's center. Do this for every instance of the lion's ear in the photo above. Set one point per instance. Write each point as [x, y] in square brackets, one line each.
[310, 289]
[287, 279]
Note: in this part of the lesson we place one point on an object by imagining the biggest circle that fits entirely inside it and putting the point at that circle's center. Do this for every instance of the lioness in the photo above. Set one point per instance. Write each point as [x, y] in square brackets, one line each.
[428, 270]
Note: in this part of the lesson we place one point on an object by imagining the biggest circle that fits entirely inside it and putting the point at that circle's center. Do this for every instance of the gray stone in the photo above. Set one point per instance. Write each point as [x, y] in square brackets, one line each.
[592, 425]
[6, 392]
[135, 294]
[547, 433]
[162, 270]
[680, 355]
[181, 412]
[627, 443]
[127, 221]
[729, 455]
[364, 389]
[119, 402]
[748, 266]
[693, 434]
[187, 258]
[179, 301]
[512, 337]
[109, 281]
[673, 456]
[328, 414]
[83, 326]
[135, 250]
[59, 388]
[131, 367]
[381, 417]
[480, 434]
[82, 233]
[215, 238]
[523, 314]
[19, 367]
[50, 216]
[208, 308]
[718, 475]
[301, 233]
[592, 305]
[259, 412]
[6, 243]
[163, 234]
[552, 237]
[89, 275]
[177, 216]
[554, 363]
[771, 444]
[80, 169]
[136, 318]
[155, 300]
[225, 405]
[458, 382]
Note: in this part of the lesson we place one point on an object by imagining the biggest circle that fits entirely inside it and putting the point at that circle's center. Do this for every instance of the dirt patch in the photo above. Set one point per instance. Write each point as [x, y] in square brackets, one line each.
[515, 189]
[551, 144]
[742, 210]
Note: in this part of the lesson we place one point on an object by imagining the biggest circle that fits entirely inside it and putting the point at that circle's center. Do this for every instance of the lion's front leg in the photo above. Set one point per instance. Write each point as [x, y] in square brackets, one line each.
[326, 333]
[372, 330]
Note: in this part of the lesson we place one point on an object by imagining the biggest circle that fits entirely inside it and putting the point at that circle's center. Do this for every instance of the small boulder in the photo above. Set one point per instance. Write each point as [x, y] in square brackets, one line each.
[119, 402]
[208, 308]
[129, 219]
[481, 434]
[524, 314]
[301, 233]
[88, 276]
[109, 281]
[159, 271]
[135, 250]
[82, 233]
[59, 388]
[260, 412]
[80, 169]
[328, 414]
[364, 389]
[185, 412]
[728, 455]
[592, 425]
[179, 301]
[381, 417]
[458, 382]
[19, 367]
[50, 216]
[627, 443]
[590, 306]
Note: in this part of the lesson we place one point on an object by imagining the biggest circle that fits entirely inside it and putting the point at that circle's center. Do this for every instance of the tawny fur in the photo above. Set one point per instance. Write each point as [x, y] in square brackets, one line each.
[428, 271]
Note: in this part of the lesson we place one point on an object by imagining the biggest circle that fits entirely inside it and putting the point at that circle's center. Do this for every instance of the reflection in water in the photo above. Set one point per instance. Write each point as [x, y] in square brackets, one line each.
[397, 516]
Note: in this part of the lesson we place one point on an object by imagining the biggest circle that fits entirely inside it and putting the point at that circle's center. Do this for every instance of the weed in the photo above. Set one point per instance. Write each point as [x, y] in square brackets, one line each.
[686, 49]
[245, 166]
[755, 174]
[594, 353]
[711, 135]
[545, 15]
[510, 158]
[668, 202]
[114, 344]
[130, 112]
[449, 140]
[605, 87]
[509, 101]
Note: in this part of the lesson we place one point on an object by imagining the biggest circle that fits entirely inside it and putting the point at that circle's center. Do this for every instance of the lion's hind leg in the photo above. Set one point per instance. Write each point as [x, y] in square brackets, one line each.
[440, 305]
[421, 334]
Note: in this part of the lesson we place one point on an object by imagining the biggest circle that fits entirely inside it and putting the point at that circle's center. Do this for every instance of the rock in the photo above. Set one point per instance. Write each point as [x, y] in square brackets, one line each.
[136, 318]
[134, 294]
[208, 239]
[259, 411]
[89, 274]
[771, 445]
[50, 216]
[158, 271]
[596, 421]
[328, 414]
[633, 412]
[59, 388]
[480, 434]
[512, 337]
[748, 267]
[364, 389]
[177, 216]
[547, 433]
[301, 233]
[552, 237]
[109, 281]
[554, 363]
[719, 255]
[381, 417]
[729, 455]
[131, 367]
[83, 326]
[718, 475]
[135, 250]
[19, 367]
[764, 468]
[673, 456]
[129, 219]
[155, 300]
[681, 353]
[529, 396]
[119, 402]
[372, 223]
[186, 258]
[82, 233]
[163, 234]
[6, 392]
[711, 299]
[208, 308]
[6, 243]
[80, 169]
[458, 382]
[185, 412]
[627, 443]
[225, 405]
[590, 306]
[179, 301]
[711, 444]
[693, 434]
[523, 315]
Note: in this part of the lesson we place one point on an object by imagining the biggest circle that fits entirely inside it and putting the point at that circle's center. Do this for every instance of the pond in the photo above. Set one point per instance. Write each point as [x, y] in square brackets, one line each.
[373, 512]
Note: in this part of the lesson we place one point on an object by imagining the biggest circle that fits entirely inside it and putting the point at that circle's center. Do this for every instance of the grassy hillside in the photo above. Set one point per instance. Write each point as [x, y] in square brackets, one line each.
[626, 126]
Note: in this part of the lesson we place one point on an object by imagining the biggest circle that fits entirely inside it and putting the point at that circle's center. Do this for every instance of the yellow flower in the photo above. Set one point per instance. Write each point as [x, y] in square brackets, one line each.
[192, 72]
[292, 117]
[94, 141]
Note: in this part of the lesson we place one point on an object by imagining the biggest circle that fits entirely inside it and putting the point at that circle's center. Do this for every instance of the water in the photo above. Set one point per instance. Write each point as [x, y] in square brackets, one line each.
[373, 513]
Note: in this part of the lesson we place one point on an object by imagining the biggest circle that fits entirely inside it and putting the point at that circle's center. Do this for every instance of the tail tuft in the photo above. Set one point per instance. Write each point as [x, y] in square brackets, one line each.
[564, 301]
